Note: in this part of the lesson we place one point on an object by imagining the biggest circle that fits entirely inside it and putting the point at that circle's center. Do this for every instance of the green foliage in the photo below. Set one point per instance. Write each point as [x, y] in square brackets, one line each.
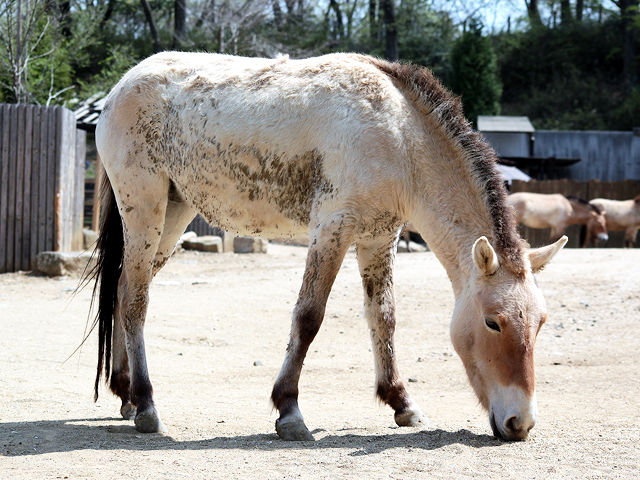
[567, 78]
[425, 36]
[474, 74]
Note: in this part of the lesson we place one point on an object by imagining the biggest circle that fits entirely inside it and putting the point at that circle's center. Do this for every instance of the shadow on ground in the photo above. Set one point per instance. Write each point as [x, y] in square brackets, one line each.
[44, 437]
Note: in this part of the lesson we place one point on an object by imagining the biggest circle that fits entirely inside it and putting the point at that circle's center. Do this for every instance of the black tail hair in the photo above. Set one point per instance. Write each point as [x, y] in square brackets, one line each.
[110, 251]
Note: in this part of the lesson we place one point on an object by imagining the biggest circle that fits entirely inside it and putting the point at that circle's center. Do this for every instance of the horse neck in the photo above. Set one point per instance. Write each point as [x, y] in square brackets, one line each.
[580, 213]
[450, 213]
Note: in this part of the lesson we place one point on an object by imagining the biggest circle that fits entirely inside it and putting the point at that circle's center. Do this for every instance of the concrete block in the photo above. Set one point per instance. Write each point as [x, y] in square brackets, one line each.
[89, 239]
[55, 264]
[207, 243]
[249, 245]
[227, 242]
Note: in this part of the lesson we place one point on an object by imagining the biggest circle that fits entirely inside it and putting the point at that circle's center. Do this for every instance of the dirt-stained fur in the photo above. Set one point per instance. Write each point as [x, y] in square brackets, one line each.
[347, 148]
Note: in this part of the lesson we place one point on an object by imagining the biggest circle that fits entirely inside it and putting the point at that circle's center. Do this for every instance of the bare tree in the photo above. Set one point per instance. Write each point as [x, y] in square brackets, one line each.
[180, 23]
[235, 23]
[24, 25]
[629, 13]
[146, 8]
[390, 30]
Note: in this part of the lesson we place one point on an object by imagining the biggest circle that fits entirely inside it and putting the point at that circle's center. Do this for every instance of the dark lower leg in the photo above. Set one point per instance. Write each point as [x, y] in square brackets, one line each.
[305, 326]
[376, 259]
[120, 383]
[330, 242]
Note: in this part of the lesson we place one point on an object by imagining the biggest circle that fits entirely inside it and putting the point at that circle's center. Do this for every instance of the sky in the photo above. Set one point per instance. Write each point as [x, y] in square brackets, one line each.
[495, 13]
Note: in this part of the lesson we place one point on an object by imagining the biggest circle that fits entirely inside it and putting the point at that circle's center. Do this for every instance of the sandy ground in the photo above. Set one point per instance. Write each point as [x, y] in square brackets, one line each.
[216, 334]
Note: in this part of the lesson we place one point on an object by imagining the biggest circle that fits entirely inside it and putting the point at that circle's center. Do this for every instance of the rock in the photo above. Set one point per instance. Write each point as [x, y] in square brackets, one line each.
[188, 236]
[207, 243]
[298, 241]
[257, 363]
[249, 245]
[55, 264]
[415, 247]
[89, 239]
[227, 242]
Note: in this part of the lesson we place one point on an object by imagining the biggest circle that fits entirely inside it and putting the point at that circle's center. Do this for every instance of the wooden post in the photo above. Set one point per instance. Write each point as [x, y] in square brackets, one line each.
[95, 220]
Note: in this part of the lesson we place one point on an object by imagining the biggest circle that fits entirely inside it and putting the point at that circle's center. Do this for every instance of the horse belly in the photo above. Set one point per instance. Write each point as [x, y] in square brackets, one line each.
[224, 205]
[250, 190]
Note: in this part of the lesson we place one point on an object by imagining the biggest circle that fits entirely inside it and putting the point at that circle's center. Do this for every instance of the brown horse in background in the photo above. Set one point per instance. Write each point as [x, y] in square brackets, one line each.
[620, 216]
[555, 211]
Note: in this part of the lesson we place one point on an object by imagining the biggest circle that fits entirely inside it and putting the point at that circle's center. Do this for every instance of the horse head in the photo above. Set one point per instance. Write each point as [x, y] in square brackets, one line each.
[597, 224]
[494, 329]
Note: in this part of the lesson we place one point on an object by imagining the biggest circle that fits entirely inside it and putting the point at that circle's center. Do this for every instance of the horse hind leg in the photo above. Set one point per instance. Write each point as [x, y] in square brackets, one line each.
[178, 215]
[630, 236]
[329, 244]
[143, 208]
[376, 258]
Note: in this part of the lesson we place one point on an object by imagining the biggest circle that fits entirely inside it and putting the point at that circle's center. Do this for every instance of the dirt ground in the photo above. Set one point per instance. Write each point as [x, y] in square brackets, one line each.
[216, 333]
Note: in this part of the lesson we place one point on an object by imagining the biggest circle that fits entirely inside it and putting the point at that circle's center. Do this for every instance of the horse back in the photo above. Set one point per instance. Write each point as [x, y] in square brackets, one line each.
[619, 214]
[257, 144]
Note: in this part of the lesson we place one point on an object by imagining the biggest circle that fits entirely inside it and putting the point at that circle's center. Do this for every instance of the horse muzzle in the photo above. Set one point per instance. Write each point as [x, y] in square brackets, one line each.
[603, 237]
[514, 415]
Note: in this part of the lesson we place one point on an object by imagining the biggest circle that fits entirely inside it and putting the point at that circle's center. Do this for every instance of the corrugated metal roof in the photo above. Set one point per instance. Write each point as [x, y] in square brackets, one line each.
[89, 110]
[488, 123]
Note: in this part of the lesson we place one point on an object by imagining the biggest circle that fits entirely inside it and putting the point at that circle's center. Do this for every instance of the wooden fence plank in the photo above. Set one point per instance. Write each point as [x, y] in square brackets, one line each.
[20, 141]
[78, 195]
[58, 169]
[43, 181]
[97, 189]
[11, 200]
[52, 156]
[4, 184]
[35, 190]
[25, 260]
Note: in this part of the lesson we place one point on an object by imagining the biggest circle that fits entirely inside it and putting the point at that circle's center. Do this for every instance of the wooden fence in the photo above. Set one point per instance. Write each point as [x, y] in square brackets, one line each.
[41, 183]
[624, 190]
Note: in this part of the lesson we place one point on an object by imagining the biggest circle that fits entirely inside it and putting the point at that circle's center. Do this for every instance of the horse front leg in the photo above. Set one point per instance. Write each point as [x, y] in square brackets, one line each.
[328, 245]
[376, 258]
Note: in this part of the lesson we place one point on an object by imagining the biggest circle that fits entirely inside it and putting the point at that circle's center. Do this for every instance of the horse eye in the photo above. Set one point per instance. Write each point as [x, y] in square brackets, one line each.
[492, 324]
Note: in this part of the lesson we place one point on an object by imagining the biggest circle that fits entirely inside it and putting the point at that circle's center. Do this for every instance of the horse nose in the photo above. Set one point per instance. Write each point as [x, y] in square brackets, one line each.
[517, 427]
[603, 237]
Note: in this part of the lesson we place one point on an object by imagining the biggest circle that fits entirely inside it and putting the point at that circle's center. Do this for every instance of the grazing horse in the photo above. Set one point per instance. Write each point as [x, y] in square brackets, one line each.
[620, 216]
[555, 211]
[347, 148]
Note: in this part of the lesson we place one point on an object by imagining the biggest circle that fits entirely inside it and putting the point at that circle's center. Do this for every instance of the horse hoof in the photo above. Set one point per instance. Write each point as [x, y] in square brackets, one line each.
[128, 411]
[412, 418]
[149, 422]
[293, 431]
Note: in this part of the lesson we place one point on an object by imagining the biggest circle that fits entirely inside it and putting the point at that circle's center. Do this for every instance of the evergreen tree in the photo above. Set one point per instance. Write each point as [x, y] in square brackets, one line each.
[474, 74]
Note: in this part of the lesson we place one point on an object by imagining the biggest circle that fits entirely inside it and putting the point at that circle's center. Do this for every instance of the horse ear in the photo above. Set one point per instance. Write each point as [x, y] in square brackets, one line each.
[541, 256]
[484, 256]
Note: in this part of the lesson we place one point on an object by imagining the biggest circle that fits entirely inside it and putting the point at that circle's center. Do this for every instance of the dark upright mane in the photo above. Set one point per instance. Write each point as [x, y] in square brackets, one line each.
[582, 201]
[434, 99]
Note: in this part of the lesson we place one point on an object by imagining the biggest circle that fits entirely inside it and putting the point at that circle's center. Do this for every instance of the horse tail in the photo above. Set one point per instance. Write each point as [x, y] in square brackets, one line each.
[109, 251]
